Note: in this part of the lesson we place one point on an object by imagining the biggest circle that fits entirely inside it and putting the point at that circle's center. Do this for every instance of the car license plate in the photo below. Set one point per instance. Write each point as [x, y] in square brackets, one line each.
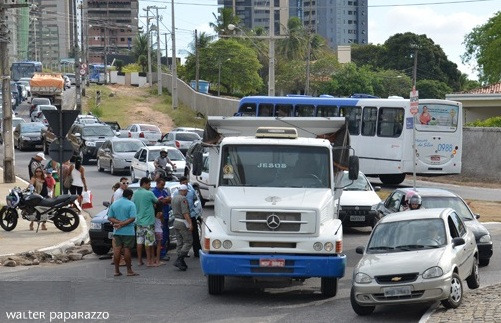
[435, 158]
[357, 218]
[271, 262]
[110, 235]
[397, 291]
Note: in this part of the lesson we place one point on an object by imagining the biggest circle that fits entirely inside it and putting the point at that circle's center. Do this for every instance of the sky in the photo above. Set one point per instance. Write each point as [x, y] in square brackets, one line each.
[446, 22]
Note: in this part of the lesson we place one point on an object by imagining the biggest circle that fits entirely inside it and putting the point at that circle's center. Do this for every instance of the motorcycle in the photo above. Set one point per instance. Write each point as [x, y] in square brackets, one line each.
[34, 207]
[166, 173]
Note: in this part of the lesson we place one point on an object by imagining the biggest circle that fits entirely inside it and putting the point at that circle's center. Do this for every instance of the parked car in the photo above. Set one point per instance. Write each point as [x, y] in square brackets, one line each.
[71, 77]
[201, 183]
[198, 131]
[101, 230]
[116, 154]
[37, 101]
[27, 135]
[148, 133]
[182, 140]
[415, 256]
[142, 163]
[37, 114]
[87, 138]
[358, 202]
[114, 125]
[436, 197]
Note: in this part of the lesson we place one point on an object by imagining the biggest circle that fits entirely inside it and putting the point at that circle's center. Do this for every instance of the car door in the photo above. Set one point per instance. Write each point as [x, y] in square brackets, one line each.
[391, 204]
[462, 253]
[104, 152]
[133, 131]
[142, 165]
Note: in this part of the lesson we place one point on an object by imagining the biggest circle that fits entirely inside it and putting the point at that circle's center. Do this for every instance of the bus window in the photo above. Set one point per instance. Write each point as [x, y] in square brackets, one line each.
[283, 110]
[305, 110]
[265, 110]
[369, 118]
[327, 111]
[353, 114]
[248, 109]
[437, 117]
[390, 122]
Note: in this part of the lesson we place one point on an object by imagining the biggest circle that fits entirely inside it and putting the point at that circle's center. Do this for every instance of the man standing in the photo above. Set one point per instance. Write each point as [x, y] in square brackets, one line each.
[182, 226]
[191, 197]
[164, 198]
[35, 162]
[145, 200]
[122, 214]
[124, 184]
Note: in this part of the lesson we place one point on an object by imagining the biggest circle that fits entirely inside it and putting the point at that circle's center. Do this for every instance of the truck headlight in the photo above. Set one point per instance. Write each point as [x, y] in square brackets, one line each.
[433, 272]
[485, 238]
[90, 144]
[227, 244]
[362, 278]
[328, 246]
[216, 244]
[95, 226]
[318, 246]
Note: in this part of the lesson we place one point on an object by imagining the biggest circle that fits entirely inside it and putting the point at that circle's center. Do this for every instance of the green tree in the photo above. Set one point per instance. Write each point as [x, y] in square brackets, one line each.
[432, 89]
[389, 82]
[222, 20]
[295, 44]
[140, 48]
[290, 76]
[119, 65]
[350, 79]
[483, 44]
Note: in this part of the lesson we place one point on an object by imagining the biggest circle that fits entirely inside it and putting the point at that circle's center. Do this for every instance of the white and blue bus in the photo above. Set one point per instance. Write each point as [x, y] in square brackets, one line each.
[381, 130]
[96, 73]
[24, 69]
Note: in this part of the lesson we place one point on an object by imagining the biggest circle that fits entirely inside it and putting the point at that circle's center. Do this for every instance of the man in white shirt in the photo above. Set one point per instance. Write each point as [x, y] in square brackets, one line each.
[124, 184]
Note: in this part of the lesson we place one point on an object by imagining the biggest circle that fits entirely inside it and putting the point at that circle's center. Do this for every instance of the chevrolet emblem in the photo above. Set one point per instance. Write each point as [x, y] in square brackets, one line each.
[396, 279]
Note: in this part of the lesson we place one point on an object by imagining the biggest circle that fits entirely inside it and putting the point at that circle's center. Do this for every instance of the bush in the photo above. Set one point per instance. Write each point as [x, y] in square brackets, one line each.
[131, 68]
[97, 111]
[491, 122]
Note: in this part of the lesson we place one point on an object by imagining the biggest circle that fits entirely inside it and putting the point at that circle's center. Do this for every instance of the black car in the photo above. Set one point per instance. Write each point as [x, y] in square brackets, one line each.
[101, 230]
[440, 198]
[87, 138]
[28, 135]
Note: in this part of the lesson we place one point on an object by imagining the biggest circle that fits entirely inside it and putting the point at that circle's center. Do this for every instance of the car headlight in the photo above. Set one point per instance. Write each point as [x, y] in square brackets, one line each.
[374, 207]
[433, 272]
[95, 226]
[485, 238]
[90, 144]
[362, 278]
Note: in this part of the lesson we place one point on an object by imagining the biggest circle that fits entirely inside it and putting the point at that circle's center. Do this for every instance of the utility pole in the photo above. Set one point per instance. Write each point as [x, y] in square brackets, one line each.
[166, 51]
[174, 63]
[78, 90]
[84, 55]
[159, 55]
[271, 71]
[197, 64]
[148, 44]
[9, 175]
[308, 54]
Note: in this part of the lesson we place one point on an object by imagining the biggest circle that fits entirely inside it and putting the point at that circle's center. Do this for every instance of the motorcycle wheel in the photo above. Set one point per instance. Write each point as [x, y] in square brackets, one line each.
[66, 220]
[8, 218]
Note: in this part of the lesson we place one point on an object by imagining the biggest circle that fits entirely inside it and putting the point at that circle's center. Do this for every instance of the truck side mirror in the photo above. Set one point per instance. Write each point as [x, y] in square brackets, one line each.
[353, 168]
[198, 163]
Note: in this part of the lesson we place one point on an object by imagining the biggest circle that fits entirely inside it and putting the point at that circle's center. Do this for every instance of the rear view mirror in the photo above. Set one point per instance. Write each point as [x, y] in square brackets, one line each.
[458, 242]
[197, 163]
[360, 250]
[353, 168]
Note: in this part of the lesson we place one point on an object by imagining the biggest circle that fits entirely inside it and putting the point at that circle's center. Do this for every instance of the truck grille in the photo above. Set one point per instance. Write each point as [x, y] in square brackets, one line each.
[273, 221]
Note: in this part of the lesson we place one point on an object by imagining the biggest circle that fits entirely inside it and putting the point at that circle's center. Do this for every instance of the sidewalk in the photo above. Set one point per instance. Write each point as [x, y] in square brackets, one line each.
[52, 241]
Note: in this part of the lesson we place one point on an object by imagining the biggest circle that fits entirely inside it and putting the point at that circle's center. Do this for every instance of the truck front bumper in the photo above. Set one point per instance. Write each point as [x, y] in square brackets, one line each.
[293, 265]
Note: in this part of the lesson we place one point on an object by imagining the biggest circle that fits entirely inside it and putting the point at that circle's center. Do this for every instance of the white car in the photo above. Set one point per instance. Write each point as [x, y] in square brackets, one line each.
[148, 133]
[358, 202]
[198, 131]
[201, 183]
[415, 256]
[142, 163]
[37, 114]
[71, 76]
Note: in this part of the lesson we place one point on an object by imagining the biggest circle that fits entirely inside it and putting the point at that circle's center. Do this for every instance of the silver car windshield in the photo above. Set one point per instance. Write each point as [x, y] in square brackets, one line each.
[360, 184]
[409, 235]
[127, 146]
[275, 166]
[453, 202]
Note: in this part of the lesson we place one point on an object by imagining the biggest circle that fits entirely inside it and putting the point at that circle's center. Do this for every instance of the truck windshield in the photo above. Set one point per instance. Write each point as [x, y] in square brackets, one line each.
[275, 166]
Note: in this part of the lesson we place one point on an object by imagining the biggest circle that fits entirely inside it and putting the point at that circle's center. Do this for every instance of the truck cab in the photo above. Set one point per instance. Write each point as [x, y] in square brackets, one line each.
[274, 187]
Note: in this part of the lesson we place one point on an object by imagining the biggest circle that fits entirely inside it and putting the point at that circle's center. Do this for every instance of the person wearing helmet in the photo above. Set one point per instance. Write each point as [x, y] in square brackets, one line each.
[415, 202]
[161, 162]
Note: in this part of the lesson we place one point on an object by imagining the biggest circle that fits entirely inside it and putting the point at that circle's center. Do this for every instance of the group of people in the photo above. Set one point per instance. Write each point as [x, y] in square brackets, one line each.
[44, 176]
[142, 217]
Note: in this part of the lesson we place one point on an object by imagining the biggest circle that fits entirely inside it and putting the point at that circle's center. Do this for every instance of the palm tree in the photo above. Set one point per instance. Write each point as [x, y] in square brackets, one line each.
[140, 46]
[224, 18]
[295, 44]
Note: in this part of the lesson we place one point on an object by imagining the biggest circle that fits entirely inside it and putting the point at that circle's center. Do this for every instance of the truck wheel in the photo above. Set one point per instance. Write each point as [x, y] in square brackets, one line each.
[359, 309]
[392, 179]
[216, 284]
[328, 286]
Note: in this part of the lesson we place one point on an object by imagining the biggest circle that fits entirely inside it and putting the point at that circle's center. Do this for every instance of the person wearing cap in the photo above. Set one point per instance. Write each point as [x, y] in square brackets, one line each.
[182, 226]
[35, 162]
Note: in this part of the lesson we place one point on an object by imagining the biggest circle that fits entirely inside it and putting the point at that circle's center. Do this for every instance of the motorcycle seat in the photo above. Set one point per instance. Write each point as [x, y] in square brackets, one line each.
[58, 200]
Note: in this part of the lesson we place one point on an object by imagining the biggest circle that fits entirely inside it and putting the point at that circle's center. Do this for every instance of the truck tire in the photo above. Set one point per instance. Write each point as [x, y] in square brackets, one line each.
[215, 284]
[328, 286]
[392, 179]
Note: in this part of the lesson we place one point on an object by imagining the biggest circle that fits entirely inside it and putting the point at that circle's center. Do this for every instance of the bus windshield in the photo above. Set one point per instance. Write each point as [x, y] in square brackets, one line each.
[24, 69]
[275, 166]
[437, 117]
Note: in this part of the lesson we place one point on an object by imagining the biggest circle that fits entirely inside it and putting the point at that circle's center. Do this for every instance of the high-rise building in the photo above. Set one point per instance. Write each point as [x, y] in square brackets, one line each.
[110, 26]
[340, 22]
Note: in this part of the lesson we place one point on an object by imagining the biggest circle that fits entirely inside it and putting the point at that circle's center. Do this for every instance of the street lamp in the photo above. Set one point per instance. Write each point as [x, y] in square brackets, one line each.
[219, 77]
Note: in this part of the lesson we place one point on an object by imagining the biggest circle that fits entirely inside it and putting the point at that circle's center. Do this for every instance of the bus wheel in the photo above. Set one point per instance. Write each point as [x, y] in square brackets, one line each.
[392, 179]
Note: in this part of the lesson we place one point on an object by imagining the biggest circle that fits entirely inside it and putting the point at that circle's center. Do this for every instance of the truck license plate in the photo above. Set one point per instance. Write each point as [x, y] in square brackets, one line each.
[271, 262]
[110, 235]
[357, 218]
[397, 291]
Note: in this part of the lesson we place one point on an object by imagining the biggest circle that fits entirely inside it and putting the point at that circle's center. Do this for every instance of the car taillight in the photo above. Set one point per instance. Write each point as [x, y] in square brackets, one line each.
[178, 144]
[141, 135]
[39, 115]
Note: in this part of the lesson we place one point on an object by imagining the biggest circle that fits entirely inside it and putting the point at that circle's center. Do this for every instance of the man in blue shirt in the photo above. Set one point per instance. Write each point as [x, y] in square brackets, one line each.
[122, 214]
[163, 197]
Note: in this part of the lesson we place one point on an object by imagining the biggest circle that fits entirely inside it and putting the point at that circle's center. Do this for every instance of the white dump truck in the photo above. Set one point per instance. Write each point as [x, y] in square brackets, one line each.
[274, 187]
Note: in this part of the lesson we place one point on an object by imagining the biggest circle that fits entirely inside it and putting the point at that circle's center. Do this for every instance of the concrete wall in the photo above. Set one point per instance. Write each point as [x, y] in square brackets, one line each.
[481, 153]
[137, 80]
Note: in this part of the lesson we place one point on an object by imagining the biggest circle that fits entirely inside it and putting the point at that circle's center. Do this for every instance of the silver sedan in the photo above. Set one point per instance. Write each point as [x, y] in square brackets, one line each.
[116, 154]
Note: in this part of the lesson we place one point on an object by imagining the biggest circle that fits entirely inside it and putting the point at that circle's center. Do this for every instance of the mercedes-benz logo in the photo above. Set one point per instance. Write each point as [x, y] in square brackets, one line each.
[273, 221]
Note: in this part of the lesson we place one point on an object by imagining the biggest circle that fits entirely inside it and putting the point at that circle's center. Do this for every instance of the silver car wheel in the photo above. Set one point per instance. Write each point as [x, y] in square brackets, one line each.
[456, 292]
